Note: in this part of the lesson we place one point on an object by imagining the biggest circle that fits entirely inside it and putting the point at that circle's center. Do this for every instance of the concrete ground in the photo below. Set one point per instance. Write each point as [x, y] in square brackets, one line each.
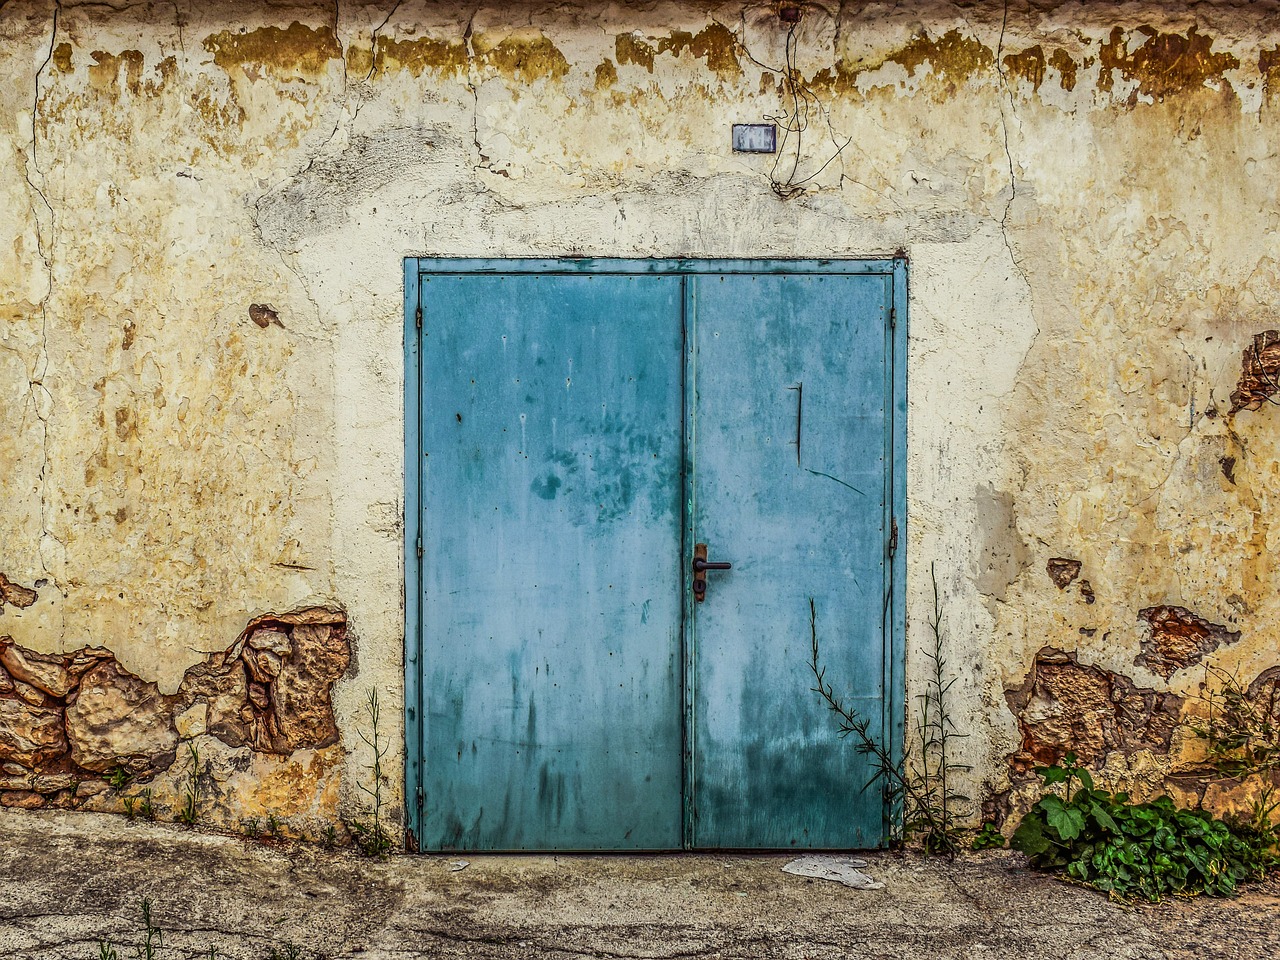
[69, 881]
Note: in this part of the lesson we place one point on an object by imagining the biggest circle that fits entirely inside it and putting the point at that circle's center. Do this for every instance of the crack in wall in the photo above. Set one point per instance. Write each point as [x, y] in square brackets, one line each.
[41, 399]
[177, 20]
[373, 43]
[482, 161]
[1008, 153]
[293, 271]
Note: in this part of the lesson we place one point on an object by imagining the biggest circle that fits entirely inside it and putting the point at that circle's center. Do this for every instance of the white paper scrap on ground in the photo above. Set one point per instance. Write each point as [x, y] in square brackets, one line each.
[840, 869]
[456, 865]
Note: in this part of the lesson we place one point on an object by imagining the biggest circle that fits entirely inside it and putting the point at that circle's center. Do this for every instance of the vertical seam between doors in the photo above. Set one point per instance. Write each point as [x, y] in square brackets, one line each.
[688, 640]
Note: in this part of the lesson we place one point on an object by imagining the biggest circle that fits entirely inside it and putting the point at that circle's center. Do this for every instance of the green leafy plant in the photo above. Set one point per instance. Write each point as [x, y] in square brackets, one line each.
[1132, 850]
[286, 951]
[921, 782]
[988, 837]
[372, 839]
[107, 950]
[273, 826]
[191, 788]
[129, 807]
[119, 778]
[252, 827]
[330, 838]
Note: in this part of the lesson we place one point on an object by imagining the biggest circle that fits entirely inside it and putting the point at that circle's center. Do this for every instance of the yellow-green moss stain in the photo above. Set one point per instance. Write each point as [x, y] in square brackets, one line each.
[628, 48]
[295, 51]
[1031, 63]
[359, 61]
[1061, 61]
[104, 73]
[1269, 67]
[715, 43]
[62, 57]
[421, 54]
[606, 74]
[840, 80]
[1028, 65]
[1166, 64]
[522, 58]
[953, 57]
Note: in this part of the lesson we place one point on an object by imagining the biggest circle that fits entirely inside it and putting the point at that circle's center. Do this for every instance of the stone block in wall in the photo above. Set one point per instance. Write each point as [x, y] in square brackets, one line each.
[116, 719]
[300, 694]
[221, 683]
[29, 734]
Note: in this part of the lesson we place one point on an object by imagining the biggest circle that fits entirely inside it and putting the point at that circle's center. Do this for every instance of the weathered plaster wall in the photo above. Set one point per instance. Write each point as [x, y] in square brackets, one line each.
[205, 211]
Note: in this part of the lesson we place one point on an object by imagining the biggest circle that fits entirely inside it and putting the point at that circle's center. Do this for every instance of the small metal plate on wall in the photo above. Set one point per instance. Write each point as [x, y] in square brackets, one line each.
[755, 138]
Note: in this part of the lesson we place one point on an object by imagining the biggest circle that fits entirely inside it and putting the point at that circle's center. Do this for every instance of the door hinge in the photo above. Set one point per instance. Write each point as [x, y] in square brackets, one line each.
[893, 317]
[420, 799]
[417, 317]
[420, 545]
[893, 538]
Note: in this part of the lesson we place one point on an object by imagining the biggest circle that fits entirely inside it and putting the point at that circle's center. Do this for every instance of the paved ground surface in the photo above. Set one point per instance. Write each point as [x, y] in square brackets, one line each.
[69, 881]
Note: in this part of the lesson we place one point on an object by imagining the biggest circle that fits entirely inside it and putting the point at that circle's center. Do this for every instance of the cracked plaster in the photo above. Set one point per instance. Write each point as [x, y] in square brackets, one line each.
[1090, 236]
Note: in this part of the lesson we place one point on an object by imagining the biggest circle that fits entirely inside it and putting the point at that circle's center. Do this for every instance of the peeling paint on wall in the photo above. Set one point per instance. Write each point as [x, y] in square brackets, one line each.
[1260, 373]
[1161, 64]
[1068, 706]
[15, 593]
[201, 330]
[1179, 639]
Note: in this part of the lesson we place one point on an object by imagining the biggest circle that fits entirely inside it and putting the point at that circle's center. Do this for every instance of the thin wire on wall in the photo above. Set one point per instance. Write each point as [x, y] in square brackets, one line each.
[795, 122]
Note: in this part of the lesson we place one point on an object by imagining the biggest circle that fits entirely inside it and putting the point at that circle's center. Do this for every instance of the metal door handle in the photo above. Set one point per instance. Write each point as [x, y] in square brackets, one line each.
[700, 567]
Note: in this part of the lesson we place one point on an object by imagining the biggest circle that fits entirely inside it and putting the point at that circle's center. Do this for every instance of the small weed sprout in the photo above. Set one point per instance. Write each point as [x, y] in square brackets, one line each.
[145, 806]
[129, 804]
[988, 838]
[273, 826]
[372, 839]
[191, 788]
[152, 939]
[107, 950]
[252, 827]
[286, 951]
[330, 839]
[119, 778]
[921, 782]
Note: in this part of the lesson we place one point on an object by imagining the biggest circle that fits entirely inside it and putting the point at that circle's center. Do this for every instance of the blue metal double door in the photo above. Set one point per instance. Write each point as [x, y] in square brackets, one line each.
[587, 432]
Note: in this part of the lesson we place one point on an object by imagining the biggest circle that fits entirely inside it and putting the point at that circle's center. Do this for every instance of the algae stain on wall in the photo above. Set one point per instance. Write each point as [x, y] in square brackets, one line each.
[294, 52]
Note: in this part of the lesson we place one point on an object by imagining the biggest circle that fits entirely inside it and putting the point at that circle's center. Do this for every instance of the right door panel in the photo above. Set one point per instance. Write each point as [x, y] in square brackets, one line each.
[789, 428]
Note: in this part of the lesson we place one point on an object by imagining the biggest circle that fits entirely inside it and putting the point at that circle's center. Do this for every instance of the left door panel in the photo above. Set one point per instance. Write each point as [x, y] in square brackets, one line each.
[551, 585]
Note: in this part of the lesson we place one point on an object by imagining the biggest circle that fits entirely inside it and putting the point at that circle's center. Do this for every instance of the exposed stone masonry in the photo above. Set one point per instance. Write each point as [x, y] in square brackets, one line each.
[1066, 705]
[1179, 639]
[1259, 374]
[15, 593]
[69, 721]
[1063, 571]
